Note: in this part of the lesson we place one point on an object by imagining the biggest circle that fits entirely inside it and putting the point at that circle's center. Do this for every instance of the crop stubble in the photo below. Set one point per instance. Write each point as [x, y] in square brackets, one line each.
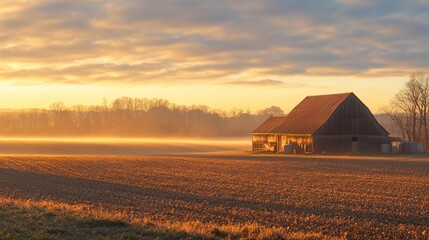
[352, 198]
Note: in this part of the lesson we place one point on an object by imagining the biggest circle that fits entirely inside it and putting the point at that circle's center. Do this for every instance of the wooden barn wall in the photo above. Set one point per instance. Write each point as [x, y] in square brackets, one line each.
[264, 142]
[343, 143]
[300, 141]
[352, 117]
[265, 138]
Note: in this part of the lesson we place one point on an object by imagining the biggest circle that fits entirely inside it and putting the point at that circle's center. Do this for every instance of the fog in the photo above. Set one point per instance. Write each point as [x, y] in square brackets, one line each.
[128, 126]
[120, 146]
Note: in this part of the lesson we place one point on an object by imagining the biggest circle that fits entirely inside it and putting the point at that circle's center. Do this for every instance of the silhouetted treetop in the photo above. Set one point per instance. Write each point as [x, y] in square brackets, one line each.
[137, 117]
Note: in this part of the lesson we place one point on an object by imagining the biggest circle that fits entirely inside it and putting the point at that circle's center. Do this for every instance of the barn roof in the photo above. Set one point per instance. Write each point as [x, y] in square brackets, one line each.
[307, 117]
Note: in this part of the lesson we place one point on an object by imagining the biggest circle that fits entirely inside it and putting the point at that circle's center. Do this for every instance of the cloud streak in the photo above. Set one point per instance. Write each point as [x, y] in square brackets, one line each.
[268, 83]
[233, 42]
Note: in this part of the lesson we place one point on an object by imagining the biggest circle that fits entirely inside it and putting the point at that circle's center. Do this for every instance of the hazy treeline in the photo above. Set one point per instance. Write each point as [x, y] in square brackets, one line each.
[133, 117]
[409, 109]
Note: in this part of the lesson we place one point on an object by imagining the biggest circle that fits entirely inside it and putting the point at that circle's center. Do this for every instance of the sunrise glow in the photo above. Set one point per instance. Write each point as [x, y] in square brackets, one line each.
[190, 52]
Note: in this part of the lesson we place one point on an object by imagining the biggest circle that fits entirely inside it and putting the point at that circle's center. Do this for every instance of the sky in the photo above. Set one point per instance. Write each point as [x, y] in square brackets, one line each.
[249, 54]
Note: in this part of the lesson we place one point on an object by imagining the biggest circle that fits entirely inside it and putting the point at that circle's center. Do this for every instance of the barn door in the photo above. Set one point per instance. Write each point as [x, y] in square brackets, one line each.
[354, 145]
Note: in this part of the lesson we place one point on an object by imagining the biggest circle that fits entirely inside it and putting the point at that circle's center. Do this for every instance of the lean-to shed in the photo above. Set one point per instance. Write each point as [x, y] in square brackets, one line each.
[336, 123]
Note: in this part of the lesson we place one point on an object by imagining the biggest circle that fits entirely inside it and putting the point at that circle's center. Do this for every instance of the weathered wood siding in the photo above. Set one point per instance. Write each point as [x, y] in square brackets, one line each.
[305, 142]
[264, 142]
[352, 120]
[274, 142]
[343, 143]
[352, 117]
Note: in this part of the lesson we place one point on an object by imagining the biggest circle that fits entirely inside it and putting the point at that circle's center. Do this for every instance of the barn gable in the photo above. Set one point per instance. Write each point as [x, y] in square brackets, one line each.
[351, 117]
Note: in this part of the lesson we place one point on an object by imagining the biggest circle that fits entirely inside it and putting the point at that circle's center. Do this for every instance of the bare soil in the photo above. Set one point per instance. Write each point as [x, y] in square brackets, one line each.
[332, 197]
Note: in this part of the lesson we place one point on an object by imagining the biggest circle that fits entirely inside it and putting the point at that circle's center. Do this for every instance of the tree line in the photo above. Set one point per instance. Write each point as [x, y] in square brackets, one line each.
[409, 109]
[132, 117]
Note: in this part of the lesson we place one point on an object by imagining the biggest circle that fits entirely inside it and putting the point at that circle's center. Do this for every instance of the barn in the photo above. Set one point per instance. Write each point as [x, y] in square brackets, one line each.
[335, 123]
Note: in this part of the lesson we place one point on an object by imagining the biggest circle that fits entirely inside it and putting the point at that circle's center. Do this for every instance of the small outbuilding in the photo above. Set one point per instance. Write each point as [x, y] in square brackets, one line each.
[336, 123]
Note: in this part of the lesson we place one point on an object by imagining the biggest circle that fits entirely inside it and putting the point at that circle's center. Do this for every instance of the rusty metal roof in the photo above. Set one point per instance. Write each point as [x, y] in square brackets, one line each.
[307, 117]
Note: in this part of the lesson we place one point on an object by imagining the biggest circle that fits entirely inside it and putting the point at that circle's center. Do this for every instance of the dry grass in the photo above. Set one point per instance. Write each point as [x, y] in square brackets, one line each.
[26, 219]
[230, 196]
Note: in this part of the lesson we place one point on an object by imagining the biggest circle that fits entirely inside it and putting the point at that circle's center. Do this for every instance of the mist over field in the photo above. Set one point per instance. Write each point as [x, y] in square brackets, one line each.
[120, 146]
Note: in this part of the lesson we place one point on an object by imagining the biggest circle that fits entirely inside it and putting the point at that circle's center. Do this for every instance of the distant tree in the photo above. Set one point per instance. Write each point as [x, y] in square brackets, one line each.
[399, 118]
[59, 114]
[272, 111]
[127, 116]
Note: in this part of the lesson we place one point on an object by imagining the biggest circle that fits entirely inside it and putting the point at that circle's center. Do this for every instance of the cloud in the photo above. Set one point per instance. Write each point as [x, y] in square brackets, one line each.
[188, 41]
[268, 82]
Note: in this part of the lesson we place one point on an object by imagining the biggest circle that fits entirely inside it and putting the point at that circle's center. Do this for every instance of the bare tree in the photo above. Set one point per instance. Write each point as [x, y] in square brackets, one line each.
[399, 119]
[409, 109]
[58, 110]
[421, 82]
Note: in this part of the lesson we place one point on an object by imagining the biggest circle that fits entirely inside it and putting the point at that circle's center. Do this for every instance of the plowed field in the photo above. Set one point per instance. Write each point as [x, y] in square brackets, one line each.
[237, 195]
